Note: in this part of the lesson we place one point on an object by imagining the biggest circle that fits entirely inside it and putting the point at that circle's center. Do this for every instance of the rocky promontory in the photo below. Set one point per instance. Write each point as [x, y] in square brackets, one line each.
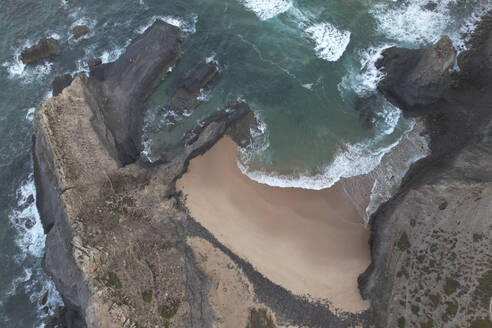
[431, 243]
[45, 48]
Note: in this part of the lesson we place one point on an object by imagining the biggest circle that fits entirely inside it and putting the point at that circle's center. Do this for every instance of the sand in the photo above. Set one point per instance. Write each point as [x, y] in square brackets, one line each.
[312, 243]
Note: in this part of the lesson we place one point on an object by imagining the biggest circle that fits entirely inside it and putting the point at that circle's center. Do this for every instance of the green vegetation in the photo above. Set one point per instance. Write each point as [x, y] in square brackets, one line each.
[401, 322]
[452, 309]
[147, 296]
[443, 206]
[415, 308]
[113, 280]
[168, 312]
[403, 243]
[450, 286]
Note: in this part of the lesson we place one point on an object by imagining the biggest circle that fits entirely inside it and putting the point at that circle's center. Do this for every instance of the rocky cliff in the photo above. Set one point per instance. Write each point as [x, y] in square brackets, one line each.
[431, 243]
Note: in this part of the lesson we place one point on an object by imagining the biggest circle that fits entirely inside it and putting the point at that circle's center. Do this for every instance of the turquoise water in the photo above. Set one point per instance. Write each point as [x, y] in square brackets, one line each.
[301, 66]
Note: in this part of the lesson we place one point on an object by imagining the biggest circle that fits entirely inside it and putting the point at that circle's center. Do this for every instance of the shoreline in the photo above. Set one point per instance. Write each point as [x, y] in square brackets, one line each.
[215, 187]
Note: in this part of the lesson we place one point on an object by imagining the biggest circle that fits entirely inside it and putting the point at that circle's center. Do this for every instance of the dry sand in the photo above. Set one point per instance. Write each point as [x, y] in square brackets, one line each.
[312, 243]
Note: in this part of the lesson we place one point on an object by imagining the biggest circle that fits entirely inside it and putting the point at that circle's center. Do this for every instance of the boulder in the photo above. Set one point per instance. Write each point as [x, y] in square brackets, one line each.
[61, 82]
[79, 31]
[45, 48]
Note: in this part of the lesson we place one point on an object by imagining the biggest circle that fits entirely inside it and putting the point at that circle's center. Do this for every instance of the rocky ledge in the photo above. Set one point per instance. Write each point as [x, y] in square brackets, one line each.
[431, 243]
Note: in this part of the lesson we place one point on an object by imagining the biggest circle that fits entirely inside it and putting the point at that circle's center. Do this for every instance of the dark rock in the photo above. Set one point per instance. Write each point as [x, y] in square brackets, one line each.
[123, 86]
[29, 223]
[44, 299]
[186, 97]
[79, 31]
[61, 82]
[431, 6]
[45, 48]
[416, 78]
[92, 63]
[240, 130]
[261, 318]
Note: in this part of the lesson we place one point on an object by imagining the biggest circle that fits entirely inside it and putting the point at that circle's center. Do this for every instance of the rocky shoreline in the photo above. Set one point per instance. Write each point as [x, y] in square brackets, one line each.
[122, 249]
[430, 243]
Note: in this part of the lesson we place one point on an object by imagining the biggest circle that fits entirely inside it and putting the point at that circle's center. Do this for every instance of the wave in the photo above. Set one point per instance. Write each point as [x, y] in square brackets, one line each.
[413, 22]
[187, 26]
[26, 74]
[330, 41]
[30, 239]
[266, 9]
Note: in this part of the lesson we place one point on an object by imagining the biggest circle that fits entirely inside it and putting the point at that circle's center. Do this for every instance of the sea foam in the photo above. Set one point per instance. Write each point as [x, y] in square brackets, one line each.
[187, 26]
[30, 239]
[330, 41]
[266, 9]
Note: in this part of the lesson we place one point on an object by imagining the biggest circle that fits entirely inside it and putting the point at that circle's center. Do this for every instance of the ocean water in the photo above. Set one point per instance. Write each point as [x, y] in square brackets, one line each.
[306, 68]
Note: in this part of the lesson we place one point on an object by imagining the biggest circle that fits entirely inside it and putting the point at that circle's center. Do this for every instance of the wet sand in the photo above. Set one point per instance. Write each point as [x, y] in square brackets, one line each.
[312, 243]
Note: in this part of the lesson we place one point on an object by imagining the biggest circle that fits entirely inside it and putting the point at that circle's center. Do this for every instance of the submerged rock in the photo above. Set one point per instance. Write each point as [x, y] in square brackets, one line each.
[45, 48]
[186, 97]
[79, 31]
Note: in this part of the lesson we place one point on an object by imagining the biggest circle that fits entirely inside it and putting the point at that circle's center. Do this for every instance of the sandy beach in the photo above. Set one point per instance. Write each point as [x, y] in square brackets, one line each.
[312, 243]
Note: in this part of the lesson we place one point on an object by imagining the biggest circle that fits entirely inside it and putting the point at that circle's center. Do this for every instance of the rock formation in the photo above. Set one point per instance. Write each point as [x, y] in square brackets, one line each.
[45, 48]
[121, 87]
[79, 31]
[431, 244]
[186, 97]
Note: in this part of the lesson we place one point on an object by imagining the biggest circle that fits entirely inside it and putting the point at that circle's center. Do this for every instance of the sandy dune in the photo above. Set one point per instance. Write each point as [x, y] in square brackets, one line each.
[310, 242]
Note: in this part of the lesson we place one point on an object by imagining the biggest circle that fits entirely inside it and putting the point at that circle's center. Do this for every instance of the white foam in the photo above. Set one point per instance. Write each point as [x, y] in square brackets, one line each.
[30, 114]
[388, 119]
[364, 80]
[330, 41]
[308, 86]
[109, 56]
[411, 23]
[266, 9]
[187, 26]
[349, 161]
[462, 35]
[30, 239]
[26, 73]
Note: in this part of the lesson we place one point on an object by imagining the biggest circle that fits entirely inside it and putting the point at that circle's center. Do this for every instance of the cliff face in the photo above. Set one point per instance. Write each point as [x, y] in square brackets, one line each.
[431, 244]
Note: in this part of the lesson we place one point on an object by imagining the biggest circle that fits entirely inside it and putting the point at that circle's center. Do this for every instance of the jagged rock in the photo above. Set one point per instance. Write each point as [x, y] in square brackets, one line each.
[61, 82]
[416, 78]
[80, 30]
[240, 130]
[261, 318]
[186, 97]
[123, 86]
[45, 48]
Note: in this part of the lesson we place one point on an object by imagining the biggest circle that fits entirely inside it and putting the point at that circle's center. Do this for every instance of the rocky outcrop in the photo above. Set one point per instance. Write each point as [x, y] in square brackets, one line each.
[417, 78]
[121, 87]
[431, 243]
[186, 97]
[45, 48]
[60, 83]
[79, 31]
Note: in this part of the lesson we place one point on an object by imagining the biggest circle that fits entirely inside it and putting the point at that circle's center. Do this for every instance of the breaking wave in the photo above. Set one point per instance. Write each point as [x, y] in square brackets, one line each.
[266, 9]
